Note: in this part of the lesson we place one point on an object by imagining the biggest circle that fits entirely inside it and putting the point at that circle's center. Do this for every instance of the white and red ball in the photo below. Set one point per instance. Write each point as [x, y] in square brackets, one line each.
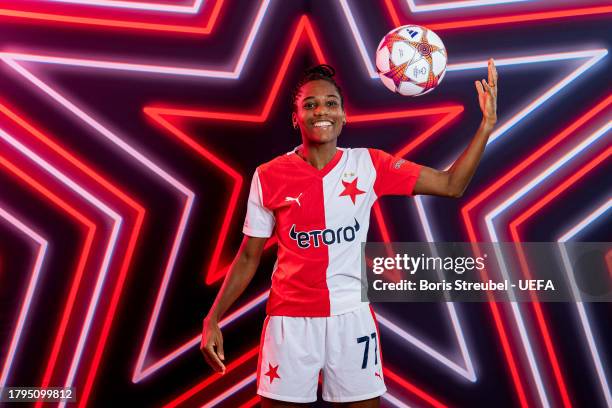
[411, 60]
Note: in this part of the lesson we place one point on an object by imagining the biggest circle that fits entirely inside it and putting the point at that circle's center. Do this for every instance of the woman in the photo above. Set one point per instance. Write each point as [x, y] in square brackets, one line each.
[317, 200]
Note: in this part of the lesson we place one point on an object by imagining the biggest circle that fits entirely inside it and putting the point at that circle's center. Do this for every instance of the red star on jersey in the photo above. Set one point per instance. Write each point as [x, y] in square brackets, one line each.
[272, 372]
[350, 189]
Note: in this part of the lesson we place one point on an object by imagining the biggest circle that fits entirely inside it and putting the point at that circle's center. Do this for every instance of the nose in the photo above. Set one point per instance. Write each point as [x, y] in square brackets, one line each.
[320, 110]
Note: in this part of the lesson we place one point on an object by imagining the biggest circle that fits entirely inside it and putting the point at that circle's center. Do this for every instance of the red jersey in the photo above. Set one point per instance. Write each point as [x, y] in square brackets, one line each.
[321, 219]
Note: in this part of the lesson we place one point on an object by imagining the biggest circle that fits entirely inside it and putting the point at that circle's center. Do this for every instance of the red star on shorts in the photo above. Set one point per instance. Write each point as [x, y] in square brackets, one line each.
[272, 372]
[350, 189]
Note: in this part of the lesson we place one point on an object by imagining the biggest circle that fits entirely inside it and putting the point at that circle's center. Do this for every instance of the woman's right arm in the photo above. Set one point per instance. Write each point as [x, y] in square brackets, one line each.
[238, 277]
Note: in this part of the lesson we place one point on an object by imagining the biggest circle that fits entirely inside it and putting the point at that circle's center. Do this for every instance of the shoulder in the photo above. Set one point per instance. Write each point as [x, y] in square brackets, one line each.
[380, 158]
[376, 154]
[279, 163]
[275, 173]
[367, 155]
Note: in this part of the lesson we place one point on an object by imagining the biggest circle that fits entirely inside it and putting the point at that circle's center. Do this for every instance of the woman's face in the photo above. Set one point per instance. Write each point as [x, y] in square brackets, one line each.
[319, 114]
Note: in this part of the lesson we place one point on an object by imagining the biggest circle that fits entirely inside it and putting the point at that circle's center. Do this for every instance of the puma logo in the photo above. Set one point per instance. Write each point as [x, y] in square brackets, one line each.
[377, 375]
[296, 199]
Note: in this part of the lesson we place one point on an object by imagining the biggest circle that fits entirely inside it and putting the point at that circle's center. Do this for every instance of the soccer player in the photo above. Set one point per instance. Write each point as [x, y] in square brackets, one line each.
[316, 199]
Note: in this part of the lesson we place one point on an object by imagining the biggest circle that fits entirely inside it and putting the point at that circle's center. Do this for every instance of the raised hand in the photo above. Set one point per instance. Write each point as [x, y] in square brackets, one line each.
[487, 94]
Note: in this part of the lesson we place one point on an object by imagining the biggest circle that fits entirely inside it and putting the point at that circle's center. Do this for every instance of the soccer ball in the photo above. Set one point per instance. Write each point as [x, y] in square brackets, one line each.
[411, 60]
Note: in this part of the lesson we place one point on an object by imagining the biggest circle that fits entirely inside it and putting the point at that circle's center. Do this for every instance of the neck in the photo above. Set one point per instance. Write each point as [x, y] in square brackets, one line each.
[317, 155]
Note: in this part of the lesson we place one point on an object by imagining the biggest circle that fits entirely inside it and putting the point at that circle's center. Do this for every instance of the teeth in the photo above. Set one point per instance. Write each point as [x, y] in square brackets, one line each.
[323, 123]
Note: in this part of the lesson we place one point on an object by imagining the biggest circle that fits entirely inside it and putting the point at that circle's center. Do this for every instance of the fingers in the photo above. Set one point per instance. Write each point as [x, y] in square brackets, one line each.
[217, 364]
[220, 348]
[208, 359]
[211, 362]
[492, 73]
[212, 359]
[490, 85]
[211, 339]
[486, 86]
[479, 88]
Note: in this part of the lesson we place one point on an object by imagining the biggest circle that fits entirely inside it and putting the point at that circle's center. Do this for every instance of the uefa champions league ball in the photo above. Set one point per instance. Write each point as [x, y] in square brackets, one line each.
[411, 60]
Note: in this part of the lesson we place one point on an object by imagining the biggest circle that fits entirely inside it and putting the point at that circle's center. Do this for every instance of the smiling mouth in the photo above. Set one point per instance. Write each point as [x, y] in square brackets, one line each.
[322, 124]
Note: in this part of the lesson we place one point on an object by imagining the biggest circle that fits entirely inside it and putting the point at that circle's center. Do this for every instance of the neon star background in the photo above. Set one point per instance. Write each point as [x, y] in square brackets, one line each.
[129, 131]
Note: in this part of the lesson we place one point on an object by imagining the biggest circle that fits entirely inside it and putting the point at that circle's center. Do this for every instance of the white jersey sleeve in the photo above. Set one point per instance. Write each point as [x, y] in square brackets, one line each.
[259, 221]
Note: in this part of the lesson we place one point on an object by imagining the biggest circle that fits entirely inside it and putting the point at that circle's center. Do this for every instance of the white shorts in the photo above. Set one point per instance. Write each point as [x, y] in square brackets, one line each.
[345, 348]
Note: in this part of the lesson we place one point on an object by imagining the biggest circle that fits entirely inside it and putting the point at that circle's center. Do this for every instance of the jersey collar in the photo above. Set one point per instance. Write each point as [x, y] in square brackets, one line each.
[325, 170]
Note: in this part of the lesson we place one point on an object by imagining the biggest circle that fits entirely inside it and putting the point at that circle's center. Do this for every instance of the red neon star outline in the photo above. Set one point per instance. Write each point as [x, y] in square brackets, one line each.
[161, 116]
[351, 190]
[136, 221]
[514, 226]
[495, 21]
[477, 201]
[545, 15]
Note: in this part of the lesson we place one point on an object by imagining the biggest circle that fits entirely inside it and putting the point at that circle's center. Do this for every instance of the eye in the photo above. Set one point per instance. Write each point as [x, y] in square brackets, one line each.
[308, 105]
[332, 103]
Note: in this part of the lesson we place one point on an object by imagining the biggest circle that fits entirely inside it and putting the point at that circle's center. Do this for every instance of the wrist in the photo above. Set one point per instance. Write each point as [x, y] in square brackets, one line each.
[489, 121]
[211, 319]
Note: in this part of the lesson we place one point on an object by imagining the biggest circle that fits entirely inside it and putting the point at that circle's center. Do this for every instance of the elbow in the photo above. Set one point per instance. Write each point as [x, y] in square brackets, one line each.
[250, 260]
[454, 192]
[453, 188]
[457, 193]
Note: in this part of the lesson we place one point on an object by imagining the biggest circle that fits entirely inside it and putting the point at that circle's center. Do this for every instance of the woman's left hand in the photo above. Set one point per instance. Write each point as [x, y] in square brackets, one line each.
[487, 94]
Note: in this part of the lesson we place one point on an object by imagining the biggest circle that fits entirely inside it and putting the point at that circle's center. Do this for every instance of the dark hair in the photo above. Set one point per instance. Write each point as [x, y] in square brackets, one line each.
[320, 72]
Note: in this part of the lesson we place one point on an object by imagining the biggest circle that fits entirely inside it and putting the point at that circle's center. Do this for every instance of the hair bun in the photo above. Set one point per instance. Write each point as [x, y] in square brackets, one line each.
[323, 70]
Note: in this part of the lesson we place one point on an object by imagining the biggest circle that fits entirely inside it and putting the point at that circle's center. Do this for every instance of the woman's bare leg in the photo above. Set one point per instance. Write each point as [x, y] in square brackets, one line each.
[271, 403]
[370, 403]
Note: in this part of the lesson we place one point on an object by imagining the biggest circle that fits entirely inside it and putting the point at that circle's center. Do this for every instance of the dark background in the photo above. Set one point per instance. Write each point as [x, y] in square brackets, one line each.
[116, 99]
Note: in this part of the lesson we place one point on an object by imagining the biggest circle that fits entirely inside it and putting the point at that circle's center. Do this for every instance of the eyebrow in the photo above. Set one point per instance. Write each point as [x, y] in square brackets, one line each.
[328, 96]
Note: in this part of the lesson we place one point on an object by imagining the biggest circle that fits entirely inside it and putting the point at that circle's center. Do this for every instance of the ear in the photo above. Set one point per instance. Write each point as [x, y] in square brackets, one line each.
[294, 120]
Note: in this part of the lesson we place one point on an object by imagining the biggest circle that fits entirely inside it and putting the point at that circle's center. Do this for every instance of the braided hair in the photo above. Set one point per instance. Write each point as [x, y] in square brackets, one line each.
[320, 72]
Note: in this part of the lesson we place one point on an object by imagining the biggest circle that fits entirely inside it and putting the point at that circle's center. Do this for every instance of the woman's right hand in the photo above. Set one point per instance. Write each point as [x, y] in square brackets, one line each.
[211, 345]
[238, 277]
